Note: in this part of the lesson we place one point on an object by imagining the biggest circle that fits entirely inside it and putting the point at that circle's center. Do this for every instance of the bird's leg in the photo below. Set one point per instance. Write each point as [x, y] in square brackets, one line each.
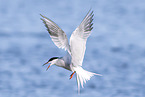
[72, 75]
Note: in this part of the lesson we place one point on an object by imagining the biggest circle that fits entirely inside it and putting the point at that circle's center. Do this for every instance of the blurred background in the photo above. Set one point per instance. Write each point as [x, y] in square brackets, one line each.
[115, 49]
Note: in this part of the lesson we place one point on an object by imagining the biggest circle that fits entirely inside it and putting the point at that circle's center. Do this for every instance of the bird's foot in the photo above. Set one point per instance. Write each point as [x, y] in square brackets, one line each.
[72, 75]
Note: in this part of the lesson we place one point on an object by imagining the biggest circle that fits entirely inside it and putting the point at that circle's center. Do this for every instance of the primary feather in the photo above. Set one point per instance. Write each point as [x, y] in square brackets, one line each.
[79, 37]
[57, 34]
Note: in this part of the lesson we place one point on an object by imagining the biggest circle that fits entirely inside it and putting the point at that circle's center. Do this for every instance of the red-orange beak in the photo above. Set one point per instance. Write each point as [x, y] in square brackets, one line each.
[48, 67]
[47, 63]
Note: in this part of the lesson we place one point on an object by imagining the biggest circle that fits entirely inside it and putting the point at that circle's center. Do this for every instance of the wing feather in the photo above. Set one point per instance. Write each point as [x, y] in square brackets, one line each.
[79, 37]
[57, 35]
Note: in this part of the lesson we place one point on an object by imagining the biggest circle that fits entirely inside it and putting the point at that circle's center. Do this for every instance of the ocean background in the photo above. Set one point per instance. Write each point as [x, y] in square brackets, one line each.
[115, 48]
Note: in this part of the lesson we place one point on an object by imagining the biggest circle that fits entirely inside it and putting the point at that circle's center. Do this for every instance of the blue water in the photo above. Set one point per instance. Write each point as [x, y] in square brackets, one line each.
[115, 49]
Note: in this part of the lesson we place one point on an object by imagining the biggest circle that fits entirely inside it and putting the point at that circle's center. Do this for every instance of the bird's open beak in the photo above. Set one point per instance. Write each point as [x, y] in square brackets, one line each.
[47, 63]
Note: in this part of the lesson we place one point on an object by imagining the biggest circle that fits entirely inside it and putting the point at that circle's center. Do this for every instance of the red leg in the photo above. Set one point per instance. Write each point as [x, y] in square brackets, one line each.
[72, 75]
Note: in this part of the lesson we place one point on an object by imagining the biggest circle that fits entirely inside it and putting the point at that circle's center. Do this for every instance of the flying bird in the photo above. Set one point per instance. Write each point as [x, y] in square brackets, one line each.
[75, 49]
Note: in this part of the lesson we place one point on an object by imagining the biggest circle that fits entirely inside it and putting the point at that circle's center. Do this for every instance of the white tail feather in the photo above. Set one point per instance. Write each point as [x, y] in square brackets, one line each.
[83, 76]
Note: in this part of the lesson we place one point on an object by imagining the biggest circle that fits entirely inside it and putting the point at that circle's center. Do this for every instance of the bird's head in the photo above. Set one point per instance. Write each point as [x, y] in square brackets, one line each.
[52, 61]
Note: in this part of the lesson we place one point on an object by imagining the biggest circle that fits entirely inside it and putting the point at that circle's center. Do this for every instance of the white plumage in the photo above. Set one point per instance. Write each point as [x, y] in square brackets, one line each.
[76, 50]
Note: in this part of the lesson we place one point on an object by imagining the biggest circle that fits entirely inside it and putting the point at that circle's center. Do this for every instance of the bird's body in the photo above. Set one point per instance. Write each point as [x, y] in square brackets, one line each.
[76, 48]
[65, 62]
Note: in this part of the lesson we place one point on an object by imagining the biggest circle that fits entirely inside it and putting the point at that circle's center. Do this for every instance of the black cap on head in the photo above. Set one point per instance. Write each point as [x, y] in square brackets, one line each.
[52, 58]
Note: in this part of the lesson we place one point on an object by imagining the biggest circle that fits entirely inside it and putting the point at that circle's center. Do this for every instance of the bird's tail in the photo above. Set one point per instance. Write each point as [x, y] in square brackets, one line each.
[82, 76]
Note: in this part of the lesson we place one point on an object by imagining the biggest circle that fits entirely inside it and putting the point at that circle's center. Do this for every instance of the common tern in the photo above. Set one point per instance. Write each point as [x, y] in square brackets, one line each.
[75, 50]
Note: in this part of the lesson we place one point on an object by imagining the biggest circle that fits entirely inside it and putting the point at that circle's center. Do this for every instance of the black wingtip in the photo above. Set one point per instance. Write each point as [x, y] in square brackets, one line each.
[41, 19]
[90, 11]
[42, 15]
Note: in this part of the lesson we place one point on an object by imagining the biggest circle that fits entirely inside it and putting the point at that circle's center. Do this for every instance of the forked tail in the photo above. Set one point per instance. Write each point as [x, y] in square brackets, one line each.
[83, 76]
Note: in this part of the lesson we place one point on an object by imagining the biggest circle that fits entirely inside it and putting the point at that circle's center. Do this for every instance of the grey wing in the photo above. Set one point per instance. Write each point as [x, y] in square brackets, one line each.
[79, 37]
[57, 35]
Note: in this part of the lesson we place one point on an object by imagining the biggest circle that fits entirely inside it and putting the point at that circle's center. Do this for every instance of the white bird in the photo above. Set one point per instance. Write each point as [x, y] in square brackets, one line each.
[76, 49]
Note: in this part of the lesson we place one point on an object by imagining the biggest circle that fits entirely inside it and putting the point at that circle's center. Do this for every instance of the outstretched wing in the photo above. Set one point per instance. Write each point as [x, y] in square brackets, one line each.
[57, 35]
[79, 37]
